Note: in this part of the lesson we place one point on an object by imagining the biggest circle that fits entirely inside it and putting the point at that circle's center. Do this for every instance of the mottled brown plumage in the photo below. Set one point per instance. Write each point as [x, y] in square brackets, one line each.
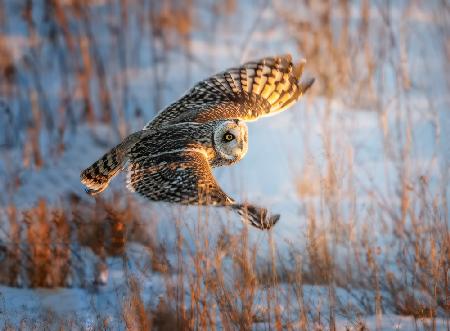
[97, 177]
[171, 158]
[253, 90]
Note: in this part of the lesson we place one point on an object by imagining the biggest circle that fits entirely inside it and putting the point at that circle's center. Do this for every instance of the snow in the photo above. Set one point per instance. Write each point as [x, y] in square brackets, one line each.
[281, 148]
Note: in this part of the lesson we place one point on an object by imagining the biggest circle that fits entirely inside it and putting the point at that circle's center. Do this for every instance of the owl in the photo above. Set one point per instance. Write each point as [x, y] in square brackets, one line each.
[172, 158]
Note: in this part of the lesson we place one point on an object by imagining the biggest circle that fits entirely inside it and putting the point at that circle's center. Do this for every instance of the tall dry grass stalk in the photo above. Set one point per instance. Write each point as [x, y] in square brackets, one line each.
[386, 245]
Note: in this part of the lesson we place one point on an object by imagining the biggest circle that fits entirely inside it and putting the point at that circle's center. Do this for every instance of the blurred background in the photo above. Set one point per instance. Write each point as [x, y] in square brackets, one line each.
[358, 169]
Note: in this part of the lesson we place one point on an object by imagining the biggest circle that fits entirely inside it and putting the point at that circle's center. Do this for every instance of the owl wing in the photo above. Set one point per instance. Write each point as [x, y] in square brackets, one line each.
[185, 177]
[255, 89]
[181, 176]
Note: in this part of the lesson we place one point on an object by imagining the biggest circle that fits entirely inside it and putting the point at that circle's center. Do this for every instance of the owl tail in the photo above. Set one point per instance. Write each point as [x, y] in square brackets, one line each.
[96, 178]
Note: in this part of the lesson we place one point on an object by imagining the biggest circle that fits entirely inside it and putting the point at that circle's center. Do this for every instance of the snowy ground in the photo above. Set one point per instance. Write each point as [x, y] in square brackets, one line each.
[281, 150]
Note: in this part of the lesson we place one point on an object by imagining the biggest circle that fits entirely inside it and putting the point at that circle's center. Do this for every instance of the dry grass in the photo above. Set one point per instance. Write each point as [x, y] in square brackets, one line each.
[387, 247]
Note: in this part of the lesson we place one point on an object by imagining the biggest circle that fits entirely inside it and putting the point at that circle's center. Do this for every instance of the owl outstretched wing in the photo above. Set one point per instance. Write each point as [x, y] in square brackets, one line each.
[255, 89]
[185, 177]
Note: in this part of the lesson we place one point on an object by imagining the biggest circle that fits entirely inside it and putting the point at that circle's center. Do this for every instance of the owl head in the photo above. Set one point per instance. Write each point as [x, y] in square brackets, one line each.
[230, 141]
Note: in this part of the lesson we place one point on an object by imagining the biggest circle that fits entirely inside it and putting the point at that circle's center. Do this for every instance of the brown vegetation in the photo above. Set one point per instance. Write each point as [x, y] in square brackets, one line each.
[392, 255]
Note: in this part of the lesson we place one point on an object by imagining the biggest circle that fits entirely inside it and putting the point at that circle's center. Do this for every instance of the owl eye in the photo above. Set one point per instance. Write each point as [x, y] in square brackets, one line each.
[228, 137]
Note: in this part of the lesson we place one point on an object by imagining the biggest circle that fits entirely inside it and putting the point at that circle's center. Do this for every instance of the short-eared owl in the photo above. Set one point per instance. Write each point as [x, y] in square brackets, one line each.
[171, 158]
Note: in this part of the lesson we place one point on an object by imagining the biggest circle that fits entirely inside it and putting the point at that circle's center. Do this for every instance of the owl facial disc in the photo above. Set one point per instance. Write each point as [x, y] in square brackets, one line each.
[231, 140]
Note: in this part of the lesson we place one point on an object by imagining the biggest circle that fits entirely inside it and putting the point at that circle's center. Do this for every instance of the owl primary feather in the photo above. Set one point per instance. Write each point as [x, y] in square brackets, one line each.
[172, 158]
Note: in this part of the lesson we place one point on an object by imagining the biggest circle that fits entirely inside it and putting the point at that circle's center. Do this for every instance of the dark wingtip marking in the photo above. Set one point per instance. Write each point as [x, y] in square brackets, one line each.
[91, 192]
[274, 219]
[307, 84]
[269, 221]
[257, 217]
